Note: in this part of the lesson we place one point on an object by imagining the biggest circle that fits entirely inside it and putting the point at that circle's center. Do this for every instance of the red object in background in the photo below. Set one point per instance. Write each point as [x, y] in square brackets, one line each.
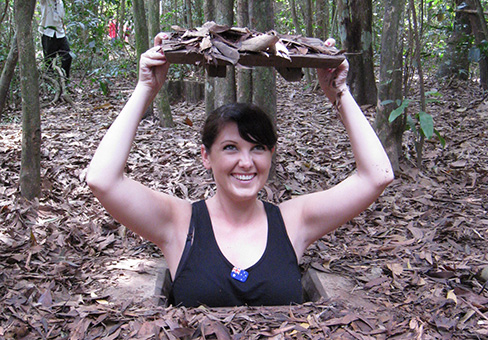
[112, 30]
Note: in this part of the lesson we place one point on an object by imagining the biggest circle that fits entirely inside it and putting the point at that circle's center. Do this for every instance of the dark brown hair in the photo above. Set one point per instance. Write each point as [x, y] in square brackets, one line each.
[254, 125]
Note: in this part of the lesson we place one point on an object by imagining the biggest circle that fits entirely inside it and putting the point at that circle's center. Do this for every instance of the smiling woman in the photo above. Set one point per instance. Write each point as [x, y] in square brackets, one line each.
[234, 249]
[237, 145]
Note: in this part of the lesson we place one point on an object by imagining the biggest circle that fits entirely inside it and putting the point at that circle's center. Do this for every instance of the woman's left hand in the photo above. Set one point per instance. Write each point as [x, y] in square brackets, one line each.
[153, 66]
[333, 80]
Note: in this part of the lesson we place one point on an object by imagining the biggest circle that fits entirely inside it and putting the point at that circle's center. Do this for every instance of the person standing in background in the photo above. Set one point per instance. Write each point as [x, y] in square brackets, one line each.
[54, 40]
[112, 31]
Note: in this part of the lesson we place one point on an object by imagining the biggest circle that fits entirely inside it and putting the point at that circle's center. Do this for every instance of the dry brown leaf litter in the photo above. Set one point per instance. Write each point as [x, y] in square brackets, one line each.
[213, 44]
[415, 253]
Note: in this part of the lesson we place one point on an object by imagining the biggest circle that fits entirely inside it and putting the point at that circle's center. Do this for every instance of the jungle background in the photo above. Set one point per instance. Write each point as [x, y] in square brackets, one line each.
[417, 257]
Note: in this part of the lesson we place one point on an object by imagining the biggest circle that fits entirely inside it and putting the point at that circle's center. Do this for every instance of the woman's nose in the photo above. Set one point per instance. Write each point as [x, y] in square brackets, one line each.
[245, 160]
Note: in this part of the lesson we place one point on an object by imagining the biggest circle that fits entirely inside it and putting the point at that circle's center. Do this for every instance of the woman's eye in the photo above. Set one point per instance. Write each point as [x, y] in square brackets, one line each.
[260, 148]
[230, 147]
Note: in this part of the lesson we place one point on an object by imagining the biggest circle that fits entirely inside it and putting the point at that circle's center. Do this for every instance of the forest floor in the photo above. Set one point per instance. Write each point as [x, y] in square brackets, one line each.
[415, 255]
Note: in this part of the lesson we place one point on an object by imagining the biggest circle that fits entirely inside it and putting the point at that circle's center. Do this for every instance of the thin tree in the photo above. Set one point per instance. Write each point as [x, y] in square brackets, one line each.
[30, 163]
[209, 14]
[162, 99]
[356, 25]
[294, 17]
[480, 31]
[121, 20]
[390, 81]
[455, 62]
[8, 72]
[419, 144]
[308, 18]
[198, 15]
[322, 19]
[225, 88]
[140, 27]
[141, 35]
[188, 14]
[244, 75]
[261, 18]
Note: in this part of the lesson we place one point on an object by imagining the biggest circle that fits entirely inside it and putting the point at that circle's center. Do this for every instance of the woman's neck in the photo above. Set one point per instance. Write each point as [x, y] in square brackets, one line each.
[236, 213]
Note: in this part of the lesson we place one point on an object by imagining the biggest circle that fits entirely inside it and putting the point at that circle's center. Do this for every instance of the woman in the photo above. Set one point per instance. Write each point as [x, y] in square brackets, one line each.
[234, 249]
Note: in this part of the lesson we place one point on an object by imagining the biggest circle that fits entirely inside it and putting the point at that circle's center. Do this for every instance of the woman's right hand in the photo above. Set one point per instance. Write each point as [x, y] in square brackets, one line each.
[333, 80]
[153, 66]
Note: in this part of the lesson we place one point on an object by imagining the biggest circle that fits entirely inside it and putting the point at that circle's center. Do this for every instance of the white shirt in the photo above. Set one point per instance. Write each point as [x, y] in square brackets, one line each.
[52, 15]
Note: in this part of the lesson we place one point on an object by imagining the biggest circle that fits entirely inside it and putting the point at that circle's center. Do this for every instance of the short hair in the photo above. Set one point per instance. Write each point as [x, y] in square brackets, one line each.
[253, 124]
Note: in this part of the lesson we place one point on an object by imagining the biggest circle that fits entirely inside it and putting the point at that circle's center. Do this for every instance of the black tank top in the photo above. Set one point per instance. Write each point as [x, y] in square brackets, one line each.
[204, 275]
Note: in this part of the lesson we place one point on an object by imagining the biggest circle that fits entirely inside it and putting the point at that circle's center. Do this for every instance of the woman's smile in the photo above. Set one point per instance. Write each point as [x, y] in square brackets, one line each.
[246, 178]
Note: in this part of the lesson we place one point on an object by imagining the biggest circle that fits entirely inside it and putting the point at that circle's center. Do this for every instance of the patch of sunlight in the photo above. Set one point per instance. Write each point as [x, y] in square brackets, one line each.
[135, 279]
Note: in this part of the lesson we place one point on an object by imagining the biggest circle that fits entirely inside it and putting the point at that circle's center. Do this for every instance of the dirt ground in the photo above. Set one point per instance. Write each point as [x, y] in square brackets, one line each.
[416, 255]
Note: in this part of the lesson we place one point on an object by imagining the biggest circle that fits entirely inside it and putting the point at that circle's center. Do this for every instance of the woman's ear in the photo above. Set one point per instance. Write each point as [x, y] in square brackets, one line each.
[205, 157]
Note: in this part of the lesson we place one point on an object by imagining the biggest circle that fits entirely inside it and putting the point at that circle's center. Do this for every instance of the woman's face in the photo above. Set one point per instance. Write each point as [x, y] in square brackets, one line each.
[240, 168]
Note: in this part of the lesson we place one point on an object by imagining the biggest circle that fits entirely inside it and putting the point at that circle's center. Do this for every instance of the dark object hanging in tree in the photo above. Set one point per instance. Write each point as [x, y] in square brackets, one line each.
[216, 46]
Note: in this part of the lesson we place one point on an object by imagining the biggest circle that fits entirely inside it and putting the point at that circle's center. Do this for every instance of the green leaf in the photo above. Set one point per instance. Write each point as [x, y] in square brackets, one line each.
[426, 124]
[386, 102]
[399, 110]
[104, 87]
[395, 114]
[441, 139]
[411, 124]
[433, 93]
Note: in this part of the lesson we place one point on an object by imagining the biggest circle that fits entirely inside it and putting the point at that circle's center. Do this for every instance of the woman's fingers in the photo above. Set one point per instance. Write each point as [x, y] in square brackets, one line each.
[330, 42]
[153, 57]
[158, 39]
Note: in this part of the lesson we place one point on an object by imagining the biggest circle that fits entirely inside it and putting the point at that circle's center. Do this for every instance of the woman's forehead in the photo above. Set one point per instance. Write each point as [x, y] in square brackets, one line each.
[228, 128]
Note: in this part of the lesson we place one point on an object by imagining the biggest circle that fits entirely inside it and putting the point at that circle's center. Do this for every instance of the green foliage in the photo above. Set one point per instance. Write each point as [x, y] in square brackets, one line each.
[283, 18]
[421, 123]
[96, 56]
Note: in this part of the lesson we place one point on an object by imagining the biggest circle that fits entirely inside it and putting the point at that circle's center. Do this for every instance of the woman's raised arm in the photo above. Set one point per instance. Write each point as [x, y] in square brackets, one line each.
[153, 215]
[311, 216]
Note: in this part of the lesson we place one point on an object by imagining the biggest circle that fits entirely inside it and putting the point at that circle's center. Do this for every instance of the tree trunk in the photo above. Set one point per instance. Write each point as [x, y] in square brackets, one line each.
[199, 12]
[8, 72]
[244, 76]
[162, 99]
[225, 88]
[322, 19]
[209, 14]
[209, 10]
[308, 18]
[141, 35]
[390, 82]
[478, 24]
[333, 31]
[356, 18]
[294, 17]
[121, 20]
[261, 18]
[188, 14]
[30, 163]
[455, 61]
[419, 143]
[140, 28]
[153, 26]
